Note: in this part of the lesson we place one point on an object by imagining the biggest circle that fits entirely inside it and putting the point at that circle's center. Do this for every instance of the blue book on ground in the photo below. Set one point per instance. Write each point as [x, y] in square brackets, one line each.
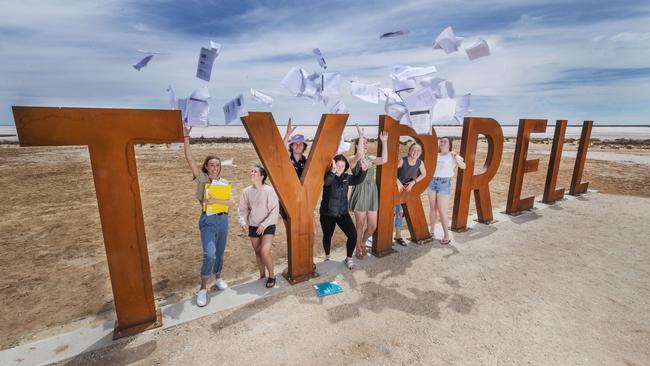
[327, 288]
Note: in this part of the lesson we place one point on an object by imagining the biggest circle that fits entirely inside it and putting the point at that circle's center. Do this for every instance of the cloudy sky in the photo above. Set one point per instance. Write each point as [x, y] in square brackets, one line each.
[550, 59]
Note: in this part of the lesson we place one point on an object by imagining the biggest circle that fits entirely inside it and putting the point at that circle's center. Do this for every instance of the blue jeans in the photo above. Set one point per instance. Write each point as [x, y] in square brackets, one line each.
[214, 232]
[398, 217]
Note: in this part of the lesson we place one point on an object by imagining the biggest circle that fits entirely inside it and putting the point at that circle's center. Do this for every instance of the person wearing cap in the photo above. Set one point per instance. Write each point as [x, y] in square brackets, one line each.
[214, 228]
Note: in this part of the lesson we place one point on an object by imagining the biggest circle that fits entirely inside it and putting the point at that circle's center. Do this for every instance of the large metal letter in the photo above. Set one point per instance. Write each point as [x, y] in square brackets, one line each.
[576, 186]
[388, 194]
[110, 135]
[550, 193]
[467, 181]
[520, 165]
[298, 196]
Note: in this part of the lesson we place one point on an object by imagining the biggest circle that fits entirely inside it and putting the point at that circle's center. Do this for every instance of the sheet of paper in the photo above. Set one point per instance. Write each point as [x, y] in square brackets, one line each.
[234, 109]
[262, 98]
[330, 83]
[365, 92]
[201, 93]
[421, 122]
[182, 105]
[339, 108]
[311, 83]
[478, 50]
[206, 60]
[172, 97]
[394, 34]
[402, 85]
[448, 41]
[197, 112]
[343, 146]
[444, 110]
[228, 162]
[293, 81]
[422, 100]
[463, 108]
[142, 63]
[410, 72]
[445, 89]
[320, 58]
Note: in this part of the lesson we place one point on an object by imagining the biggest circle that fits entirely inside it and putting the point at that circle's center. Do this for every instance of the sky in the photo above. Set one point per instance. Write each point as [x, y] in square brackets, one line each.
[575, 60]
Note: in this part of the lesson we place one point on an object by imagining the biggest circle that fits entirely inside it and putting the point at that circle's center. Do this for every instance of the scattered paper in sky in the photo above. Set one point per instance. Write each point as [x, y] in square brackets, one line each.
[402, 85]
[394, 34]
[201, 93]
[444, 110]
[478, 50]
[339, 108]
[151, 52]
[343, 146]
[448, 41]
[234, 109]
[444, 88]
[172, 97]
[422, 100]
[410, 72]
[262, 98]
[320, 58]
[293, 81]
[142, 63]
[206, 60]
[197, 111]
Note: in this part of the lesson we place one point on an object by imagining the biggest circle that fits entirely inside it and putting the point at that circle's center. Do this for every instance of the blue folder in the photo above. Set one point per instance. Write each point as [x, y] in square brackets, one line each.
[327, 288]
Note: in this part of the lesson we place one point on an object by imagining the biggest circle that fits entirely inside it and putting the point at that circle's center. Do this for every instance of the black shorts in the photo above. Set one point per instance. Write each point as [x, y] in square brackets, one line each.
[283, 214]
[252, 231]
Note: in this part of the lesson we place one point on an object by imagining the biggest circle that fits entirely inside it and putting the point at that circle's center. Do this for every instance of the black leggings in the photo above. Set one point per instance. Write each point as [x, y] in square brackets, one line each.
[328, 223]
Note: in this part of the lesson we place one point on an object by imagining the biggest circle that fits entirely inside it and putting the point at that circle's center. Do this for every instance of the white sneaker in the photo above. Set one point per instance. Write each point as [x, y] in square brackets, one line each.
[220, 284]
[202, 297]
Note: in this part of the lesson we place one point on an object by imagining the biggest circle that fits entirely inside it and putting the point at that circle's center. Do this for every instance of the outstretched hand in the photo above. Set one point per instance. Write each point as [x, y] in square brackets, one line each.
[186, 130]
[359, 130]
[364, 164]
[383, 136]
[290, 128]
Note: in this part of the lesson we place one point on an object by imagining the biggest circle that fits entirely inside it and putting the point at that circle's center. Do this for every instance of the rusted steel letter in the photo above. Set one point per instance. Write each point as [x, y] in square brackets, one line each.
[550, 193]
[387, 186]
[298, 196]
[110, 135]
[520, 165]
[576, 186]
[479, 184]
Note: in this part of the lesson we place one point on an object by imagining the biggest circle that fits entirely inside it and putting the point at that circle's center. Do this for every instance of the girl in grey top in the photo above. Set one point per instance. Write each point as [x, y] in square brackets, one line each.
[410, 170]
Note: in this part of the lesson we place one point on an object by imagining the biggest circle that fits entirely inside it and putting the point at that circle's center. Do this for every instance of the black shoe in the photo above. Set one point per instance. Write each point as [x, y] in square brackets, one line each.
[400, 241]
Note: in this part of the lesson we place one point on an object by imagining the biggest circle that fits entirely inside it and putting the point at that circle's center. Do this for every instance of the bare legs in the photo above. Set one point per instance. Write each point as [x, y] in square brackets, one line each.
[438, 205]
[262, 248]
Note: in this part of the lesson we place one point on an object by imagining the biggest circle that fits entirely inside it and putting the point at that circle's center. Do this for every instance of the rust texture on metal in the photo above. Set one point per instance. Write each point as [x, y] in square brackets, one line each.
[467, 182]
[389, 196]
[550, 193]
[578, 187]
[298, 196]
[110, 135]
[521, 165]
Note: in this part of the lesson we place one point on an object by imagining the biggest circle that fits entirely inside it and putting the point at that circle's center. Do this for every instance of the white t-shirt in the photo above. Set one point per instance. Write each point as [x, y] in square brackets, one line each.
[445, 166]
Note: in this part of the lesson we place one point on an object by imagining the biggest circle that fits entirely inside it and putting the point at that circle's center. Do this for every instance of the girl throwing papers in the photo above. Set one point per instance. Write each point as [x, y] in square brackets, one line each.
[213, 193]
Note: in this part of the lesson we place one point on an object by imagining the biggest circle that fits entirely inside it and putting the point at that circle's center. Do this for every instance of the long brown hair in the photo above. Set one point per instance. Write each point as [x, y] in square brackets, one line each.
[262, 173]
[204, 167]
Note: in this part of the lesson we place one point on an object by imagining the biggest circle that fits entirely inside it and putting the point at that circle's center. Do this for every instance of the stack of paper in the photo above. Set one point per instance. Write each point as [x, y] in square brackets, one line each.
[448, 41]
[477, 50]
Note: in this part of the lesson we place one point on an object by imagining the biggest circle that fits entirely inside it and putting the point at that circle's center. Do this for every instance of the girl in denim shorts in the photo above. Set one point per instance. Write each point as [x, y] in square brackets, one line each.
[440, 186]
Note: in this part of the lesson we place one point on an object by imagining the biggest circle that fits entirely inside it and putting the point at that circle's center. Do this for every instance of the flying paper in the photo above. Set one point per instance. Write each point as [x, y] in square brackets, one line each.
[206, 60]
[410, 72]
[343, 146]
[293, 81]
[448, 89]
[151, 52]
[143, 62]
[235, 109]
[420, 122]
[339, 108]
[401, 85]
[262, 98]
[365, 92]
[462, 108]
[444, 110]
[330, 83]
[477, 50]
[394, 34]
[228, 162]
[447, 41]
[422, 100]
[320, 58]
[172, 97]
[201, 93]
[197, 112]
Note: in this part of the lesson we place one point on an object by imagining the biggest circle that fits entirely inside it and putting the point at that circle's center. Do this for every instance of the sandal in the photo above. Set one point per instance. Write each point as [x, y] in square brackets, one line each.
[359, 253]
[349, 263]
[400, 241]
[445, 242]
[270, 282]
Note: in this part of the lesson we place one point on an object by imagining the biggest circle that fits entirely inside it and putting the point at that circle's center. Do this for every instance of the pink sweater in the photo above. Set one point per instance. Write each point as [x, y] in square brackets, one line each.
[258, 206]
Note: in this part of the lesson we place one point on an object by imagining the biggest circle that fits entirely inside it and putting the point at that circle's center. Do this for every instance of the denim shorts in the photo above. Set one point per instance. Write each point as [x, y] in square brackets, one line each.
[441, 186]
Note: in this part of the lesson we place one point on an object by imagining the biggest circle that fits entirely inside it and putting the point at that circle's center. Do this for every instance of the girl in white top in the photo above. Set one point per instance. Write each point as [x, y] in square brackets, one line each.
[258, 213]
[440, 186]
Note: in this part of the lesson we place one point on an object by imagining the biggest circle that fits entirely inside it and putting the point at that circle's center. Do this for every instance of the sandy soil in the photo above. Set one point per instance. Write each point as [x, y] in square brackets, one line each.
[53, 273]
[516, 294]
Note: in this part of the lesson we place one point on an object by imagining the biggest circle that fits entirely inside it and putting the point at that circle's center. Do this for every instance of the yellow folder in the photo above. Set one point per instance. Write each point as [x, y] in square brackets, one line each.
[219, 191]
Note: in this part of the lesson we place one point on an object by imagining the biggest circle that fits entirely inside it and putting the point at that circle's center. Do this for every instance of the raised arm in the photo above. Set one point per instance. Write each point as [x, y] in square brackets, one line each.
[383, 138]
[287, 134]
[188, 151]
[360, 153]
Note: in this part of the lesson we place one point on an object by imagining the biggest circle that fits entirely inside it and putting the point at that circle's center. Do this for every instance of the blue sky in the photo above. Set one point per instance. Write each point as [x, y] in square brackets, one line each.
[571, 60]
